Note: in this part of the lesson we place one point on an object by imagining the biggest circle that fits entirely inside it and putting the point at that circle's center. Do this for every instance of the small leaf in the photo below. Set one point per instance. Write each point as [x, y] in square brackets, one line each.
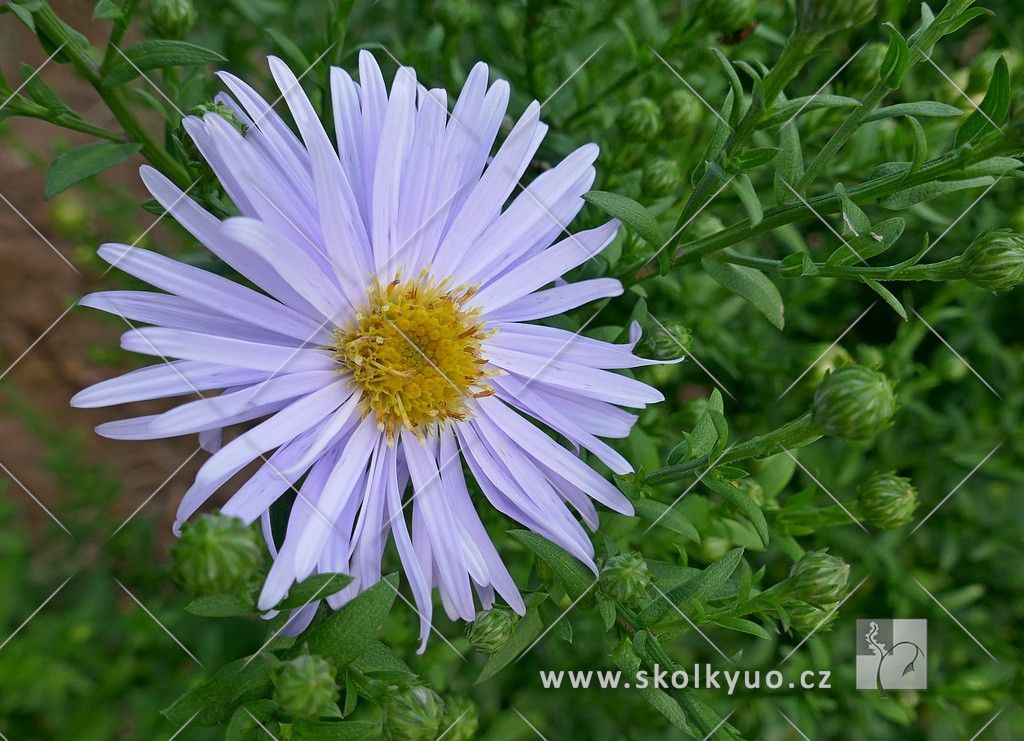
[247, 718]
[40, 92]
[148, 55]
[77, 164]
[630, 213]
[743, 626]
[345, 634]
[744, 189]
[576, 578]
[107, 10]
[993, 108]
[606, 608]
[777, 471]
[698, 589]
[921, 108]
[920, 145]
[805, 104]
[753, 158]
[798, 264]
[212, 702]
[897, 58]
[751, 284]
[666, 516]
[223, 605]
[887, 297]
[918, 193]
[318, 586]
[743, 502]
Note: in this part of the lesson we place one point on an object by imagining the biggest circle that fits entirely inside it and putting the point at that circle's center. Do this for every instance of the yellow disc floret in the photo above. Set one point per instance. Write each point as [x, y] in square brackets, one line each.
[414, 352]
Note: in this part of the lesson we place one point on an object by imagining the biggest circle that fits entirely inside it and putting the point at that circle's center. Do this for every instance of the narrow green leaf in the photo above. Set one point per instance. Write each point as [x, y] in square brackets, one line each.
[77, 164]
[887, 297]
[697, 590]
[876, 240]
[576, 578]
[305, 729]
[777, 471]
[854, 218]
[318, 586]
[921, 108]
[630, 213]
[897, 58]
[247, 718]
[666, 516]
[40, 92]
[223, 605]
[148, 55]
[293, 54]
[802, 105]
[993, 108]
[743, 502]
[744, 189]
[344, 635]
[918, 193]
[743, 626]
[751, 284]
[107, 10]
[798, 264]
[754, 158]
[920, 145]
[212, 702]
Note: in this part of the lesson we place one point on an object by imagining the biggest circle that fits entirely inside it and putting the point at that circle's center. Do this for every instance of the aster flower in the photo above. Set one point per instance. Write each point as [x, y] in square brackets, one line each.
[388, 343]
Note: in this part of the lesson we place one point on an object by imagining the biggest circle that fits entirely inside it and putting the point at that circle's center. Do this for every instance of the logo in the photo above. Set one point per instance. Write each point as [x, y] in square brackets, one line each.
[892, 655]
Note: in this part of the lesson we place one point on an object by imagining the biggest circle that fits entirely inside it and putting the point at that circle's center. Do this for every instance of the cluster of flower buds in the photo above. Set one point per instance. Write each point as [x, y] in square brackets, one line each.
[625, 578]
[217, 554]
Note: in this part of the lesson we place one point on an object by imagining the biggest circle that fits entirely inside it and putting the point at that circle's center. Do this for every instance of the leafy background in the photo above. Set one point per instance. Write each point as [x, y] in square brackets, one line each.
[94, 664]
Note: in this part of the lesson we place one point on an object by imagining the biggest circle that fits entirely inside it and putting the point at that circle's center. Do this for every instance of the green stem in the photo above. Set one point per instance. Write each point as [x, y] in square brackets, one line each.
[49, 24]
[801, 431]
[950, 269]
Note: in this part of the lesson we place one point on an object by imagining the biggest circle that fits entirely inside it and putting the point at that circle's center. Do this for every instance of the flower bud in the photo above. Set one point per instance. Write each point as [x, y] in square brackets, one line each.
[854, 403]
[625, 578]
[414, 714]
[829, 16]
[887, 501]
[805, 618]
[819, 579]
[172, 19]
[726, 16]
[217, 554]
[683, 112]
[995, 260]
[641, 119]
[662, 178]
[491, 629]
[461, 719]
[670, 341]
[306, 686]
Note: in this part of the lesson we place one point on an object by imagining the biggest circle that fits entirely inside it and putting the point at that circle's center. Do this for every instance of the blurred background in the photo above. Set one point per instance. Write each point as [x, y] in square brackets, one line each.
[86, 521]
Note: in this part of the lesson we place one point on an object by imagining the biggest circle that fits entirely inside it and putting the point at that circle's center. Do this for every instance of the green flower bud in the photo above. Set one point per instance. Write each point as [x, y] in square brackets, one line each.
[823, 359]
[670, 341]
[995, 260]
[172, 19]
[221, 109]
[306, 686]
[415, 714]
[887, 501]
[819, 579]
[491, 629]
[829, 16]
[854, 403]
[641, 119]
[217, 554]
[726, 16]
[683, 112]
[662, 178]
[805, 618]
[625, 578]
[458, 15]
[461, 719]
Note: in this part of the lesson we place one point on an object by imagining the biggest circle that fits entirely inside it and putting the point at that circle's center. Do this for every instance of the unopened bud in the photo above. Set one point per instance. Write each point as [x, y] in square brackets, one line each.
[995, 260]
[173, 19]
[819, 579]
[807, 618]
[641, 119]
[625, 578]
[887, 501]
[461, 719]
[217, 554]
[306, 686]
[662, 177]
[669, 341]
[414, 714]
[683, 112]
[854, 403]
[491, 629]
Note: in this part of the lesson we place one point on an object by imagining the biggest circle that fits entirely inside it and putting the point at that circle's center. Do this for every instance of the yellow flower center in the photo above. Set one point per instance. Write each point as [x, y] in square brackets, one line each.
[414, 352]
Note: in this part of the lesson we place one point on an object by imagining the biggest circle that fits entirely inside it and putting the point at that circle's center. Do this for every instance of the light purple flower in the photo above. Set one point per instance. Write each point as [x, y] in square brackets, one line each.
[389, 345]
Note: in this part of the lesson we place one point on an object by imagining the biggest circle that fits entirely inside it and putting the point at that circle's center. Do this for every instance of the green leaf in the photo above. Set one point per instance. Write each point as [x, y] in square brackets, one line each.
[606, 608]
[876, 240]
[527, 630]
[743, 626]
[805, 104]
[735, 86]
[304, 729]
[40, 92]
[751, 284]
[921, 108]
[223, 605]
[212, 702]
[148, 55]
[666, 516]
[626, 659]
[753, 158]
[854, 218]
[696, 590]
[743, 502]
[920, 145]
[630, 213]
[797, 264]
[292, 52]
[887, 297]
[244, 723]
[85, 161]
[992, 166]
[744, 189]
[993, 108]
[576, 578]
[345, 634]
[318, 586]
[789, 167]
[107, 10]
[897, 58]
[777, 471]
[918, 193]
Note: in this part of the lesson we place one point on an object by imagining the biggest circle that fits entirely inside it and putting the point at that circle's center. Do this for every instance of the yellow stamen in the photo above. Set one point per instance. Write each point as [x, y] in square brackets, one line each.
[414, 352]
